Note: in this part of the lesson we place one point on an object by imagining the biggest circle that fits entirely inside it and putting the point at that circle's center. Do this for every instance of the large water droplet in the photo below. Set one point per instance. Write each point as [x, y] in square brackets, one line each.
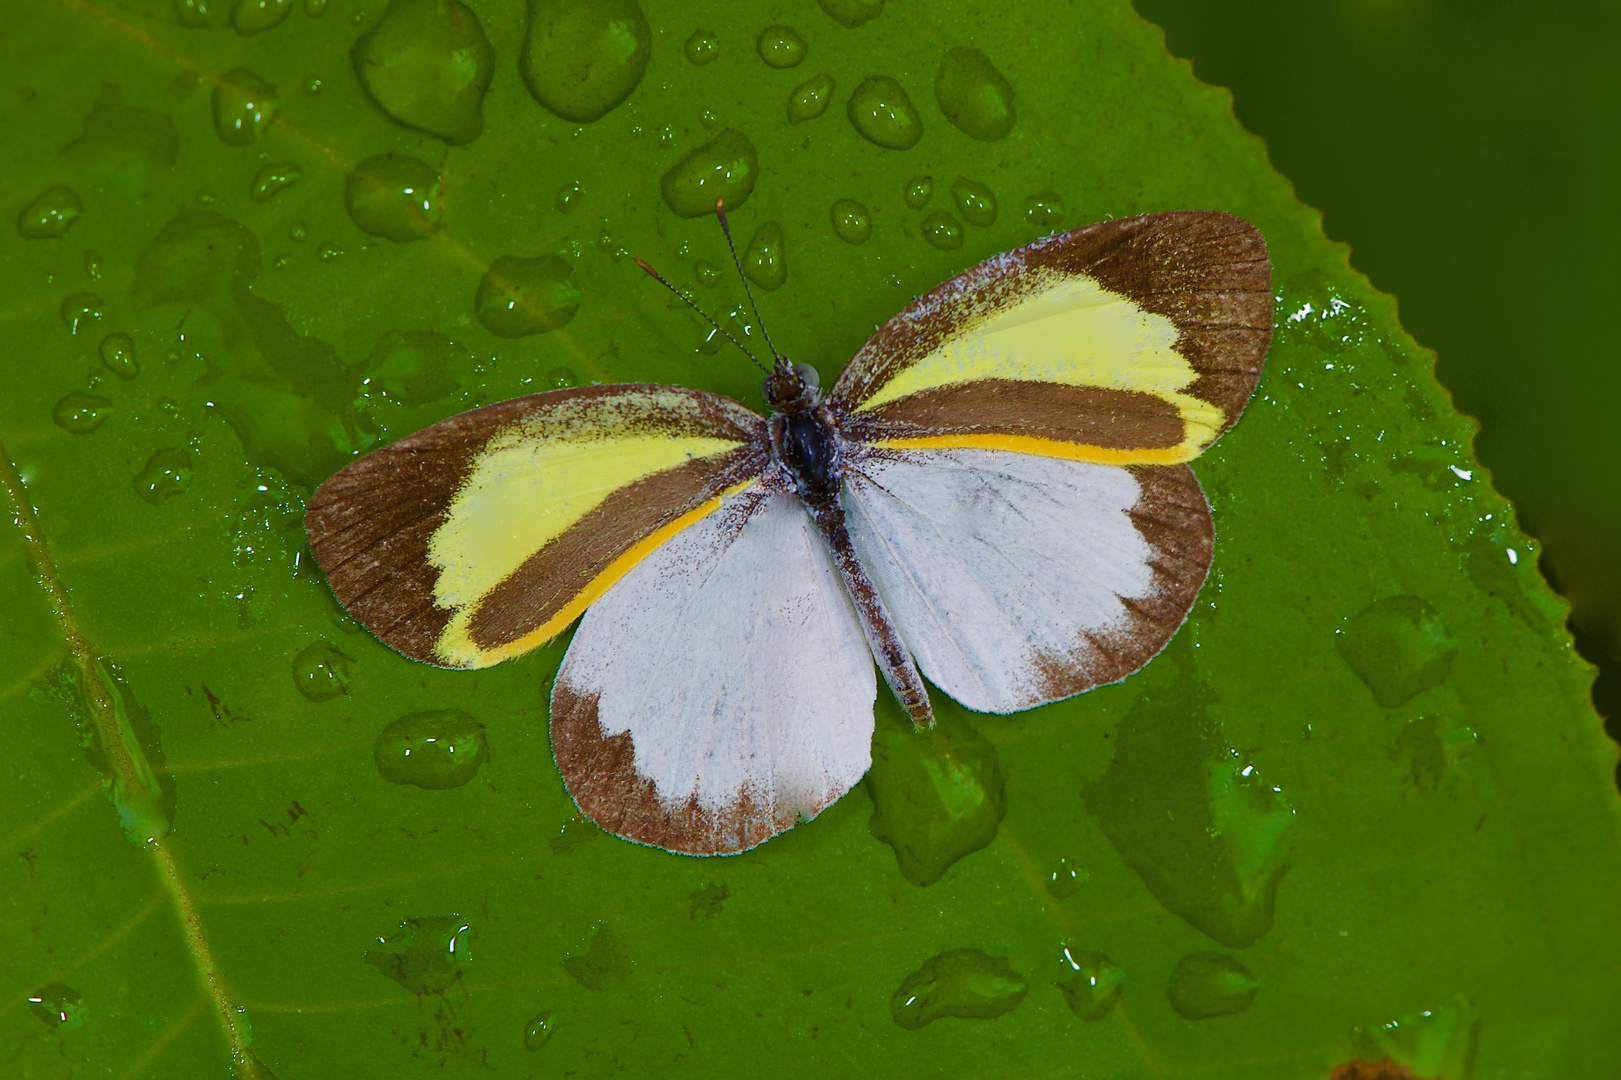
[518, 297]
[974, 95]
[851, 221]
[57, 1006]
[764, 260]
[439, 749]
[244, 106]
[702, 47]
[959, 982]
[919, 190]
[193, 14]
[321, 672]
[941, 230]
[165, 473]
[538, 1032]
[80, 413]
[118, 353]
[1093, 986]
[975, 201]
[250, 17]
[583, 57]
[852, 13]
[424, 955]
[51, 215]
[883, 114]
[1399, 647]
[1206, 984]
[725, 167]
[81, 311]
[604, 964]
[781, 46]
[395, 196]
[427, 64]
[810, 99]
[1044, 210]
[271, 179]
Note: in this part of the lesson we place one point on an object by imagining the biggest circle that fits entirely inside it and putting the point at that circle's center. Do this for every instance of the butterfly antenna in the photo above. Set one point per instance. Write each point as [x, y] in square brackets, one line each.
[654, 274]
[720, 212]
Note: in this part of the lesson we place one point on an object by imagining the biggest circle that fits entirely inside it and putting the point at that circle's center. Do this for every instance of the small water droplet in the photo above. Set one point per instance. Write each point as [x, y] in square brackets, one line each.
[568, 197]
[193, 14]
[315, 8]
[166, 473]
[427, 64]
[244, 106]
[79, 413]
[1093, 985]
[725, 167]
[297, 232]
[1399, 647]
[118, 353]
[1206, 984]
[395, 196]
[358, 17]
[57, 1006]
[709, 120]
[439, 749]
[942, 230]
[518, 297]
[707, 273]
[883, 114]
[271, 179]
[172, 356]
[581, 58]
[810, 99]
[92, 264]
[312, 86]
[321, 672]
[561, 378]
[206, 198]
[975, 201]
[851, 221]
[328, 251]
[973, 95]
[764, 261]
[852, 13]
[707, 900]
[701, 47]
[80, 311]
[51, 215]
[251, 17]
[959, 982]
[919, 190]
[1044, 210]
[575, 831]
[424, 955]
[610, 246]
[605, 962]
[538, 1032]
[666, 136]
[780, 46]
[1064, 878]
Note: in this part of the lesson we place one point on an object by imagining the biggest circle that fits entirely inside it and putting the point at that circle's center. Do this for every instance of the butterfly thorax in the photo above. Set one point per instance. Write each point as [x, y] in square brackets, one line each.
[803, 440]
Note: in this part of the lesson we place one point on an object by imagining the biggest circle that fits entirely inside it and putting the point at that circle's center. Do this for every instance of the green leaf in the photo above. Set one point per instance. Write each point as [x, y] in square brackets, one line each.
[1360, 808]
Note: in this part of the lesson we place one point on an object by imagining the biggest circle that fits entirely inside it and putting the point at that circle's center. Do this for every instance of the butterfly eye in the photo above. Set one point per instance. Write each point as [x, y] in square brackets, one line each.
[808, 376]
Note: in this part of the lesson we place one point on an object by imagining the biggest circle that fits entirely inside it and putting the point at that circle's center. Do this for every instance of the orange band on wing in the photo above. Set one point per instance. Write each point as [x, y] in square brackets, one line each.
[1055, 448]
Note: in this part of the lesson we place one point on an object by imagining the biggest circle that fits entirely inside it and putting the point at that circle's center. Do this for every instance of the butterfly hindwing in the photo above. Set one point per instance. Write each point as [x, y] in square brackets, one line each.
[488, 533]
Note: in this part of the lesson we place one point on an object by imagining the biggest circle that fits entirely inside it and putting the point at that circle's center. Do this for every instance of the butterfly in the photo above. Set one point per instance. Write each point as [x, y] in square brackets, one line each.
[993, 495]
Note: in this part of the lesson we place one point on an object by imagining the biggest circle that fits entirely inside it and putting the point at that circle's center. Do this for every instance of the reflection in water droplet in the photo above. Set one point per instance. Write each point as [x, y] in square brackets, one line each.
[57, 1006]
[1399, 647]
[604, 964]
[959, 982]
[810, 99]
[1093, 985]
[81, 311]
[92, 264]
[707, 273]
[725, 167]
[974, 95]
[702, 47]
[427, 64]
[974, 201]
[852, 13]
[394, 196]
[918, 191]
[193, 14]
[118, 353]
[883, 114]
[780, 46]
[166, 473]
[581, 58]
[851, 221]
[538, 1032]
[1064, 878]
[80, 413]
[244, 106]
[51, 215]
[518, 297]
[271, 179]
[942, 230]
[250, 17]
[1206, 984]
[568, 196]
[764, 261]
[328, 251]
[439, 749]
[321, 672]
[1044, 210]
[424, 955]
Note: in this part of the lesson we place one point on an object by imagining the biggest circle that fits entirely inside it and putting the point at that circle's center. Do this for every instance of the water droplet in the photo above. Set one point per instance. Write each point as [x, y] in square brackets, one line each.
[608, 245]
[328, 251]
[79, 413]
[936, 794]
[407, 369]
[1064, 878]
[80, 311]
[1093, 986]
[538, 1032]
[206, 199]
[1206, 984]
[321, 672]
[561, 378]
[725, 167]
[315, 8]
[852, 13]
[810, 99]
[172, 356]
[851, 221]
[518, 297]
[57, 1006]
[297, 232]
[974, 95]
[780, 46]
[51, 215]
[709, 120]
[439, 749]
[193, 14]
[918, 191]
[250, 17]
[427, 64]
[1435, 1042]
[1399, 647]
[424, 955]
[942, 230]
[975, 201]
[575, 831]
[764, 261]
[604, 964]
[702, 47]
[1044, 210]
[883, 114]
[959, 982]
[312, 86]
[271, 179]
[244, 106]
[581, 58]
[707, 273]
[707, 900]
[118, 353]
[92, 264]
[124, 138]
[165, 473]
[395, 196]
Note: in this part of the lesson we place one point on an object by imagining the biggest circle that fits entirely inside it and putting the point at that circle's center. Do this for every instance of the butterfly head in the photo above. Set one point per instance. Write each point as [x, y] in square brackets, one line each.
[791, 388]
